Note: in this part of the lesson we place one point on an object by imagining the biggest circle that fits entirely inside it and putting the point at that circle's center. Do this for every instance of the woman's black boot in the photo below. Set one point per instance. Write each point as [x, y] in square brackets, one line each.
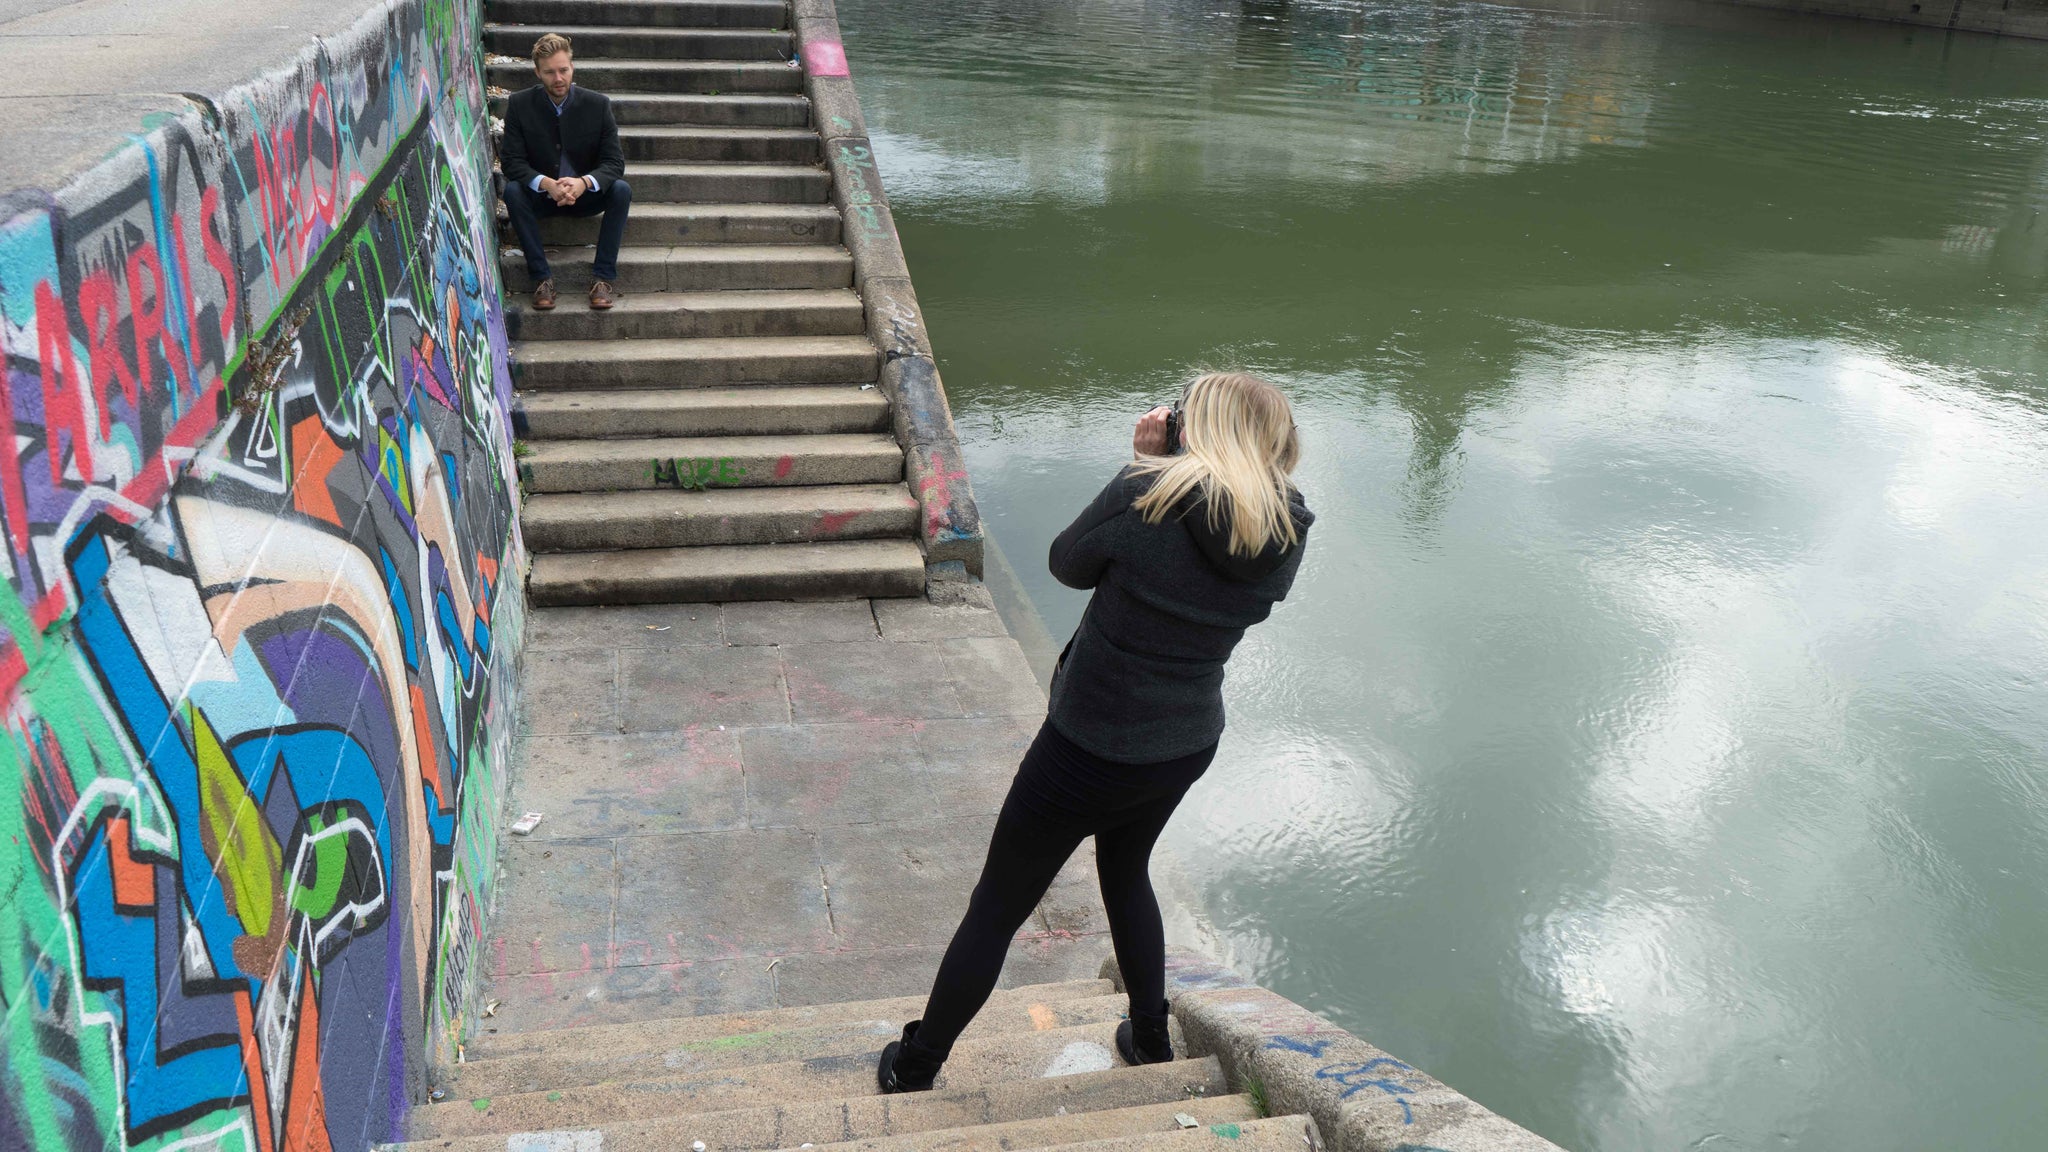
[906, 1065]
[1143, 1039]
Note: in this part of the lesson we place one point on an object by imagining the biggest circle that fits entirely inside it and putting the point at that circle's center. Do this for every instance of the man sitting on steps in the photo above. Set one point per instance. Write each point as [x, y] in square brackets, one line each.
[561, 157]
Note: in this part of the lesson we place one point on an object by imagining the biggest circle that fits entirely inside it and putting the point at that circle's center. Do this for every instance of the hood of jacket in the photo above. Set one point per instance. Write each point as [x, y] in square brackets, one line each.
[1215, 542]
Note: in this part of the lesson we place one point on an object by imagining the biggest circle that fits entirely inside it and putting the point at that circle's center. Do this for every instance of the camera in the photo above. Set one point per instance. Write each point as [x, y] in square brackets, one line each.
[1173, 429]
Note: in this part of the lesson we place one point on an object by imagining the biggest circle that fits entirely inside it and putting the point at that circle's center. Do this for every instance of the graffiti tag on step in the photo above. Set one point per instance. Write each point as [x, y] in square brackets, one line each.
[696, 473]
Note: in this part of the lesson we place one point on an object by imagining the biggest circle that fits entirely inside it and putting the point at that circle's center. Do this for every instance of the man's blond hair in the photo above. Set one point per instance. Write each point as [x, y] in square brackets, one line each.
[550, 44]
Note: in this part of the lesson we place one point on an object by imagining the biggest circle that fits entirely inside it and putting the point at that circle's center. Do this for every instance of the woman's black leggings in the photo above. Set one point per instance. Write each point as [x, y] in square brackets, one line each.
[1061, 796]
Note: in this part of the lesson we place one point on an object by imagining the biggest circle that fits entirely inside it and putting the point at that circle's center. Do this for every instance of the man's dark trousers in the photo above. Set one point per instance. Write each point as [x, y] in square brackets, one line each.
[527, 208]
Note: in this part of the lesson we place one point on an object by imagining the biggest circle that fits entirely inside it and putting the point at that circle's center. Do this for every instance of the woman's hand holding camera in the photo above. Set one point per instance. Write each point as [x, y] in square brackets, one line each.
[1149, 438]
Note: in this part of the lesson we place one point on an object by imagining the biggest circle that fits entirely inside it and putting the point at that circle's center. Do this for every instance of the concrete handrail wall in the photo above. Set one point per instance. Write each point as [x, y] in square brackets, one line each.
[1362, 1099]
[950, 526]
[262, 608]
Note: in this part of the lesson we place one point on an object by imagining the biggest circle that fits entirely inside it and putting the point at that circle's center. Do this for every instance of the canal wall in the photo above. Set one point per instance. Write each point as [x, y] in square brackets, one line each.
[1361, 1099]
[2028, 18]
[950, 524]
[262, 607]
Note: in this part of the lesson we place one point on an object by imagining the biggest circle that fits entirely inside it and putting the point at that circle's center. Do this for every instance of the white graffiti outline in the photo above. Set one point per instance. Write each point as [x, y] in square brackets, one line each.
[342, 917]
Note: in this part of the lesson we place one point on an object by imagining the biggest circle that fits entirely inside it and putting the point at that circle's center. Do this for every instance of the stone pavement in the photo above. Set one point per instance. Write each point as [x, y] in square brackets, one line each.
[755, 805]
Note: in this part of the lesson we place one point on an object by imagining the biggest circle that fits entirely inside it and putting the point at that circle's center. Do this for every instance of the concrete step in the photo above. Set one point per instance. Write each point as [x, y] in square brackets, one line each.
[760, 410]
[718, 183]
[841, 570]
[1062, 1130]
[1278, 1134]
[694, 363]
[693, 463]
[611, 521]
[719, 77]
[661, 142]
[869, 1116]
[734, 109]
[973, 1063]
[692, 268]
[684, 315]
[657, 223]
[599, 40]
[558, 1068]
[740, 110]
[1007, 1010]
[642, 13]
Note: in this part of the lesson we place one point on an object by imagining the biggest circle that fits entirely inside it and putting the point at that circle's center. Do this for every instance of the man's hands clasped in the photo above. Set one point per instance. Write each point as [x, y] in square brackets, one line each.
[565, 192]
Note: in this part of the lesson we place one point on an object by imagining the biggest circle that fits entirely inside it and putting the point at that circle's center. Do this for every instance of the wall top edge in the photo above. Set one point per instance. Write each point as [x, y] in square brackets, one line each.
[86, 80]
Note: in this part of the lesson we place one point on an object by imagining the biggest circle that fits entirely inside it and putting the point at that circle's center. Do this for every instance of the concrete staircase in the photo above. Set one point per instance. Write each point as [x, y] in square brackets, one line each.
[1036, 1070]
[719, 434]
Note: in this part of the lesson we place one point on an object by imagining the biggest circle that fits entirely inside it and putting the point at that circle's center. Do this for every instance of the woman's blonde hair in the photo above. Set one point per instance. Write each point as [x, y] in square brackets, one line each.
[1238, 448]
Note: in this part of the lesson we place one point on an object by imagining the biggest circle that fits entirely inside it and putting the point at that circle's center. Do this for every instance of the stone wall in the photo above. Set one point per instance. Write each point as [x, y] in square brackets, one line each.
[262, 605]
[2004, 17]
[1294, 1061]
[949, 522]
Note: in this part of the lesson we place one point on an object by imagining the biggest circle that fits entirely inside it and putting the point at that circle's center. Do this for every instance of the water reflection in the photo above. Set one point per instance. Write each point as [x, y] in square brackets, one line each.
[1655, 745]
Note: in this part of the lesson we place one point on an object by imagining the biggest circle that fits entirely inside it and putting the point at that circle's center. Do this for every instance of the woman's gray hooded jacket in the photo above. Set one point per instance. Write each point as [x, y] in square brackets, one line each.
[1142, 679]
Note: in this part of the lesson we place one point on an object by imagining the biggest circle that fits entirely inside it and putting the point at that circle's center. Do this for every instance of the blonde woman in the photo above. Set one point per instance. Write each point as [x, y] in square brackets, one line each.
[1185, 549]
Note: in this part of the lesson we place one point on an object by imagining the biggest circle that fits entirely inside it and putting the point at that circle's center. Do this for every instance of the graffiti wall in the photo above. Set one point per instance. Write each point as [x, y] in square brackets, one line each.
[261, 606]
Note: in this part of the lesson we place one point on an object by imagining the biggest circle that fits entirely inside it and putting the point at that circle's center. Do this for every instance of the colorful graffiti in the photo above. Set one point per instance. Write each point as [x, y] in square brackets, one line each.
[262, 591]
[696, 473]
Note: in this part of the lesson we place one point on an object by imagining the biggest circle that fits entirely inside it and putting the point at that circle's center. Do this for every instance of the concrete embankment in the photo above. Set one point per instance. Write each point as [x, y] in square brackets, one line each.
[1362, 1099]
[2028, 18]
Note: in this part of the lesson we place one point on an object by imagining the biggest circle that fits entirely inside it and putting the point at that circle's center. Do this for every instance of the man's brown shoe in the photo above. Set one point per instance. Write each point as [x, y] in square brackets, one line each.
[544, 295]
[603, 295]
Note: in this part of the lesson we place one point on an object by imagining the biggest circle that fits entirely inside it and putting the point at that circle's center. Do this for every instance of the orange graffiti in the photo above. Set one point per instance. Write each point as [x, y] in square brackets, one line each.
[305, 1115]
[252, 1070]
[134, 881]
[430, 765]
[317, 455]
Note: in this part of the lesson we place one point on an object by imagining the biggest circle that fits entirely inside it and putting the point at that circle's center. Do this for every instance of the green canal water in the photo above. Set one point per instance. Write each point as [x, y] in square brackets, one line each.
[1655, 746]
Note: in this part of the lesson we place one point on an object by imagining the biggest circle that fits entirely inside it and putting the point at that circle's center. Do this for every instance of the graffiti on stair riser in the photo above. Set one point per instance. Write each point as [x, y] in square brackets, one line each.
[696, 473]
[261, 590]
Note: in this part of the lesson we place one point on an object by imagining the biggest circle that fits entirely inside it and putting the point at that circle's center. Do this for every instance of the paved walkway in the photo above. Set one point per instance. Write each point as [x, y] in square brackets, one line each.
[760, 805]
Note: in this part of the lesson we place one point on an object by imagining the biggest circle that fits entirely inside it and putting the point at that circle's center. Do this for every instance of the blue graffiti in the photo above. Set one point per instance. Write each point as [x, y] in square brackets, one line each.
[1354, 1078]
[1305, 1047]
[178, 1042]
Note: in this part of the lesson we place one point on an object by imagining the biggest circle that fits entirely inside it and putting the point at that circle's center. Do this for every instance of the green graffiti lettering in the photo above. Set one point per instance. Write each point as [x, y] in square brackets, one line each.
[696, 473]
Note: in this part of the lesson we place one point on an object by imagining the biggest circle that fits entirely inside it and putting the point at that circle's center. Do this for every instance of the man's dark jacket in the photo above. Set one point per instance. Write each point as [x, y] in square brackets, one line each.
[1142, 680]
[535, 137]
